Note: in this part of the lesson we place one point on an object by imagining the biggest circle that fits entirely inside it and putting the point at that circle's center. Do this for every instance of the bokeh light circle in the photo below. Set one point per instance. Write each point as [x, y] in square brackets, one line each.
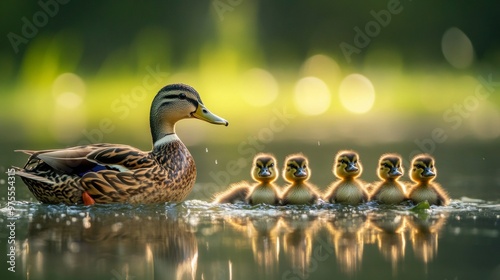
[457, 48]
[258, 87]
[312, 96]
[69, 90]
[357, 93]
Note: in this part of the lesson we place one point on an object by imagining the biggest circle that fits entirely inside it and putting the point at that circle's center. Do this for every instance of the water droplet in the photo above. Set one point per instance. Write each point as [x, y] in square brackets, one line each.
[319, 143]
[206, 150]
[215, 161]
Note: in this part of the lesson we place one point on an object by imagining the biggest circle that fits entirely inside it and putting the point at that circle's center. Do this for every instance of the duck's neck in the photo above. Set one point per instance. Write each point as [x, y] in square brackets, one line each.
[166, 139]
[160, 128]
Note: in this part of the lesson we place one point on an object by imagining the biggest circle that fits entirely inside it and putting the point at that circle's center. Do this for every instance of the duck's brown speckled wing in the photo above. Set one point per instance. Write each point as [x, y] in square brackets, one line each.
[133, 174]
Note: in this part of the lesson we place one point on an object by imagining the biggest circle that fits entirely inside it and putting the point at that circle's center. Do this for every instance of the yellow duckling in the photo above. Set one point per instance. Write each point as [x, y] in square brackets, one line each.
[296, 171]
[237, 192]
[347, 189]
[423, 172]
[390, 190]
[264, 172]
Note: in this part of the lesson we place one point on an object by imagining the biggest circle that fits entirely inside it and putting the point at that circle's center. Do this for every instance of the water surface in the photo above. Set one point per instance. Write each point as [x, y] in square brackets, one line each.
[199, 240]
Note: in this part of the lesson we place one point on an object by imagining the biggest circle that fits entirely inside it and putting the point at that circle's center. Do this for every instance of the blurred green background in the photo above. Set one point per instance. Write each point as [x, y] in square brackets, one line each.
[289, 76]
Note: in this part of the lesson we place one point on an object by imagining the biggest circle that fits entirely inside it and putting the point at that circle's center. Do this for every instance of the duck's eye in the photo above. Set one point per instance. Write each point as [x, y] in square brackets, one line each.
[271, 165]
[419, 166]
[182, 96]
[343, 161]
[305, 166]
[386, 165]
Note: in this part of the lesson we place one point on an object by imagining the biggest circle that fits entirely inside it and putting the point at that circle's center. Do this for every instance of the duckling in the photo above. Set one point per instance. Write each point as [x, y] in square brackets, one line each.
[423, 173]
[236, 192]
[296, 171]
[347, 189]
[390, 190]
[264, 172]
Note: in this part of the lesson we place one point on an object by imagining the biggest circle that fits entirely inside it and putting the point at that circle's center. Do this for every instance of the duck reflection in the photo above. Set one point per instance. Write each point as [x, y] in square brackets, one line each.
[109, 245]
[424, 233]
[348, 235]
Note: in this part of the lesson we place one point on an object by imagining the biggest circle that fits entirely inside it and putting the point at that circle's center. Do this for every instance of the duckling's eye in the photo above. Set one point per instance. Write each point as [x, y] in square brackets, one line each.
[386, 165]
[182, 96]
[271, 165]
[419, 166]
[304, 166]
[343, 161]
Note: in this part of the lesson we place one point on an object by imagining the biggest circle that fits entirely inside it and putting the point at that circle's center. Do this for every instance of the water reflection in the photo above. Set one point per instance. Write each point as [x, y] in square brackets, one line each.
[307, 240]
[118, 246]
[424, 231]
[199, 240]
[347, 232]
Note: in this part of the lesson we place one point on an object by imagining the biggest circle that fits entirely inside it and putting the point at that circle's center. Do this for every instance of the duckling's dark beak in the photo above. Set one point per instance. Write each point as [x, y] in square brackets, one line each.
[264, 172]
[300, 173]
[351, 167]
[395, 172]
[428, 172]
[204, 114]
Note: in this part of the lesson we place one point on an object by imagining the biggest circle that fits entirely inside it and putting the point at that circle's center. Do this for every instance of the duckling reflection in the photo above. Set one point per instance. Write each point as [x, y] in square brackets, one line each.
[348, 236]
[424, 233]
[298, 240]
[263, 233]
[112, 244]
[389, 228]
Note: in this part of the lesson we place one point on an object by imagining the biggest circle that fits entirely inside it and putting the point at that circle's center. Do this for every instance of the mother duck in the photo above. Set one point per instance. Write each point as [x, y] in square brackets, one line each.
[114, 173]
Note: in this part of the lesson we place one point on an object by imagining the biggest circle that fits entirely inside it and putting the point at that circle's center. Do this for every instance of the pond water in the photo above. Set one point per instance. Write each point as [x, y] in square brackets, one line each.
[199, 240]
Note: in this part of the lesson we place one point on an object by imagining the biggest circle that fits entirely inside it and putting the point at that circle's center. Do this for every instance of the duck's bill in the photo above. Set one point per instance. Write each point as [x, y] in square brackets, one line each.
[204, 114]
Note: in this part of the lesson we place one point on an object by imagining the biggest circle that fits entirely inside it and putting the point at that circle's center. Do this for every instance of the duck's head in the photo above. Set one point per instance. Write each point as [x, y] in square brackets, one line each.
[422, 168]
[174, 103]
[296, 168]
[264, 168]
[347, 165]
[390, 167]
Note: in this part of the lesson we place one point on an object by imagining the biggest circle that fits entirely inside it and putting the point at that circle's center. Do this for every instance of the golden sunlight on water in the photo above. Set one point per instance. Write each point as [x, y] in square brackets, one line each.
[357, 93]
[312, 96]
